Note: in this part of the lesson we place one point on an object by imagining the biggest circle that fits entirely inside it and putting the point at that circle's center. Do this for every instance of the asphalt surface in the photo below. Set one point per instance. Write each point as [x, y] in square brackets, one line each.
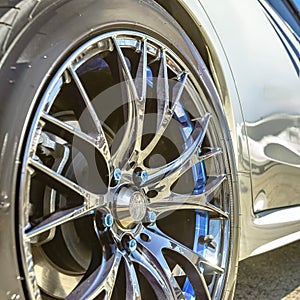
[271, 276]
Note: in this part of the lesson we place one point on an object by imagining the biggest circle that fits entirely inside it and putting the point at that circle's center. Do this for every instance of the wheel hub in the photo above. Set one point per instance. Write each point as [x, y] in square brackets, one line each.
[130, 206]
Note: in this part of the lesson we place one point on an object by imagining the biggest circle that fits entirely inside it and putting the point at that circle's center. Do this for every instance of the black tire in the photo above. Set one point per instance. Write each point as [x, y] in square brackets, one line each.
[38, 38]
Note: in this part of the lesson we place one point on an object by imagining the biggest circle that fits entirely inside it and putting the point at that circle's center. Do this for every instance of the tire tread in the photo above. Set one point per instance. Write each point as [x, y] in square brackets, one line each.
[14, 15]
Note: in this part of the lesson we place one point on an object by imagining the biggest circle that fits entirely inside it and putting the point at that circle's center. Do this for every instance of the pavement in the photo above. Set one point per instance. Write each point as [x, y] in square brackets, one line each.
[274, 275]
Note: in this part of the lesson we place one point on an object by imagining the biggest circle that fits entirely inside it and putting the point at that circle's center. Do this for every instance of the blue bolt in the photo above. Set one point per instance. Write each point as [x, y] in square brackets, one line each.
[117, 174]
[132, 245]
[199, 152]
[152, 216]
[144, 176]
[108, 220]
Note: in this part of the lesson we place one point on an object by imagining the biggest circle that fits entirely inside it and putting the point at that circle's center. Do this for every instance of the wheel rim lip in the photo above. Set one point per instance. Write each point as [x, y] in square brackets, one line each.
[58, 75]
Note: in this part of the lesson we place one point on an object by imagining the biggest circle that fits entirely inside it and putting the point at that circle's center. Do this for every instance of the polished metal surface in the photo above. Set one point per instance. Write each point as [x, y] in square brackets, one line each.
[130, 206]
[121, 186]
[275, 153]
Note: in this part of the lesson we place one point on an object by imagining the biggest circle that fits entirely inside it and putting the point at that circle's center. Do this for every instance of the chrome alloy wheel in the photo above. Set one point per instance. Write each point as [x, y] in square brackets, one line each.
[125, 185]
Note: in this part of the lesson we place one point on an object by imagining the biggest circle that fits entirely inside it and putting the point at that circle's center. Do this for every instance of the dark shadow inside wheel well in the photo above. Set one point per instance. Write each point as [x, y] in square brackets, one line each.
[175, 9]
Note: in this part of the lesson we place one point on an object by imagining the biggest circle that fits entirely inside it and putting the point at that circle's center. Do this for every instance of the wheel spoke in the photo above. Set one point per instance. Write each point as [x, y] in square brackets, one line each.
[129, 97]
[162, 90]
[132, 285]
[159, 241]
[141, 75]
[58, 218]
[173, 170]
[176, 201]
[157, 273]
[101, 280]
[65, 185]
[166, 116]
[141, 88]
[69, 132]
[61, 154]
[101, 135]
[174, 174]
[125, 68]
[178, 89]
[190, 261]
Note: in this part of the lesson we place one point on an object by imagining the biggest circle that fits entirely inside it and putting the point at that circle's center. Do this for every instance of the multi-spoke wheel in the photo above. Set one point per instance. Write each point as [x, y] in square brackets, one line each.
[125, 189]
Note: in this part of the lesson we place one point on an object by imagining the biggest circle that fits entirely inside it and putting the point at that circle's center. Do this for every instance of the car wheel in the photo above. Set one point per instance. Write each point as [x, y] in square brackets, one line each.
[116, 157]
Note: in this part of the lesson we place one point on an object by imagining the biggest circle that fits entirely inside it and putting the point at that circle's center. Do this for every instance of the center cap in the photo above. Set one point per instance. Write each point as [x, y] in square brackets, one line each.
[137, 206]
[130, 206]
